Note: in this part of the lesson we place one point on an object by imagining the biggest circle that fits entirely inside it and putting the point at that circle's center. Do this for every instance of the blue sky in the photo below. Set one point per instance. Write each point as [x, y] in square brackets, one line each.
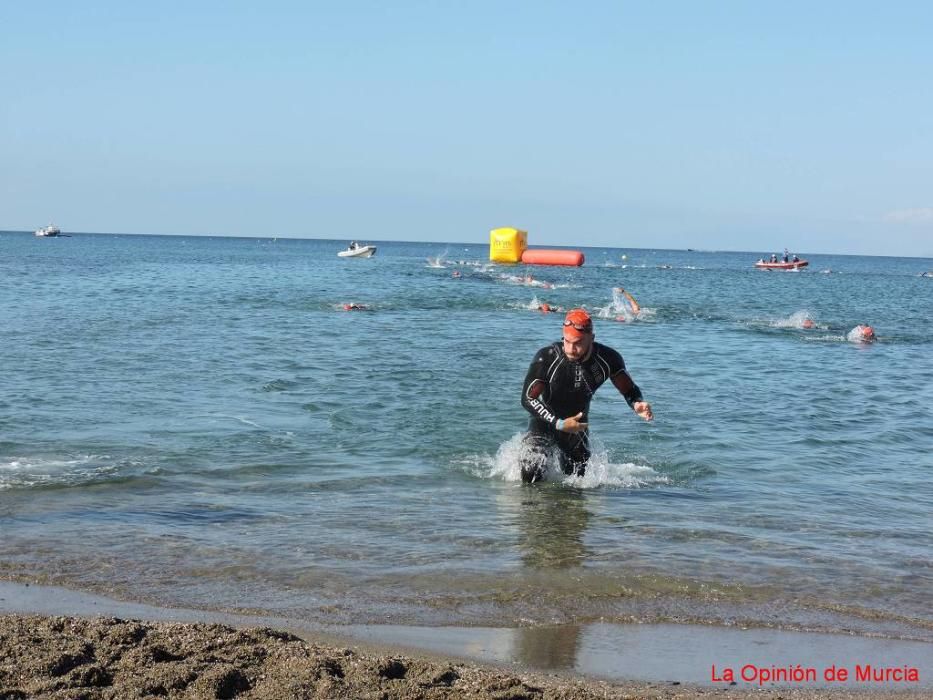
[721, 125]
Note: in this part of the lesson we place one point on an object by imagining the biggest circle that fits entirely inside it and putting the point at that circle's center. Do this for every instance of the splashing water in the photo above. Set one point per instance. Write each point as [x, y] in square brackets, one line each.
[438, 261]
[526, 280]
[798, 319]
[861, 334]
[535, 305]
[620, 308]
[600, 472]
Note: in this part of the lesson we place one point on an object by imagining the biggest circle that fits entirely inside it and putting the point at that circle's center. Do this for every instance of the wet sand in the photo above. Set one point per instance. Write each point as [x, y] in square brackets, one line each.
[55, 656]
[68, 657]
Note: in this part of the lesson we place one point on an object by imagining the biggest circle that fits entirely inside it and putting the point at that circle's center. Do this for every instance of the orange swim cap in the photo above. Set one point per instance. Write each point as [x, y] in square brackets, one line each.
[807, 323]
[544, 308]
[577, 323]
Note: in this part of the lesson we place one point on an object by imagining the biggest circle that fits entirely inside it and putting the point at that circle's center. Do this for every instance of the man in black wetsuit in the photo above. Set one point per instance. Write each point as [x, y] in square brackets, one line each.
[561, 381]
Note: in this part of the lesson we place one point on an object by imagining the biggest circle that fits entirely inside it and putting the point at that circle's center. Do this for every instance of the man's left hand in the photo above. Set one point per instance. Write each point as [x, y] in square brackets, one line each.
[643, 409]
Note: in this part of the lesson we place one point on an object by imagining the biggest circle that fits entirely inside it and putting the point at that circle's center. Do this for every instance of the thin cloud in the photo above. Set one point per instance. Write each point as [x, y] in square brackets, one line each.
[921, 215]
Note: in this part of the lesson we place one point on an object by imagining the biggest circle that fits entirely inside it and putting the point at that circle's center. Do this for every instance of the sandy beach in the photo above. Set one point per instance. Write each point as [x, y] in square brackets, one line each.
[70, 657]
[61, 643]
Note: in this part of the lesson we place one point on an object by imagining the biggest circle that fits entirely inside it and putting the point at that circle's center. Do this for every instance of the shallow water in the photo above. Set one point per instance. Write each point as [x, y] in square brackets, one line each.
[198, 422]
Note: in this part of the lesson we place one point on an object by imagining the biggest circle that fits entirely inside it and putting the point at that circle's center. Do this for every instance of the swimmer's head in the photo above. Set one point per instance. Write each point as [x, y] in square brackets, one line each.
[545, 308]
[807, 323]
[578, 334]
[862, 334]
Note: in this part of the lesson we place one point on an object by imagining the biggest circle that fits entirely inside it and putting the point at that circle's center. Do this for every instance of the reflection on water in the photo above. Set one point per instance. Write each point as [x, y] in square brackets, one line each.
[553, 527]
[547, 647]
[552, 538]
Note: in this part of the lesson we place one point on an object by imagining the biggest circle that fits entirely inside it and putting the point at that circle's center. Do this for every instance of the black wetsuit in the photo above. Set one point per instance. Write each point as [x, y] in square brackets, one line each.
[555, 388]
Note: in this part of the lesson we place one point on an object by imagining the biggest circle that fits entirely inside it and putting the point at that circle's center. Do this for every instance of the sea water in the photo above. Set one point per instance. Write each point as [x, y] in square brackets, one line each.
[197, 421]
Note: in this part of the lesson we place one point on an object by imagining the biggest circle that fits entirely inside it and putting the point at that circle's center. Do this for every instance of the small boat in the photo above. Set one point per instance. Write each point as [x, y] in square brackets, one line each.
[48, 231]
[355, 250]
[791, 265]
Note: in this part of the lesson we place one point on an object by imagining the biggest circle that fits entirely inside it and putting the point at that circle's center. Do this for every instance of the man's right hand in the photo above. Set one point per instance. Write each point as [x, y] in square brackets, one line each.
[643, 409]
[574, 424]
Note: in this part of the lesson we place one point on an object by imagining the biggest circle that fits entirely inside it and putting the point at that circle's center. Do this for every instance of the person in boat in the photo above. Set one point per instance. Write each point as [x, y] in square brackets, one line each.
[557, 391]
[796, 258]
[774, 257]
[354, 245]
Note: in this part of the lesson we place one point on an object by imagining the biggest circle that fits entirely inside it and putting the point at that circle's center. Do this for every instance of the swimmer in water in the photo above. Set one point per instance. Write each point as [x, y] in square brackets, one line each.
[633, 305]
[353, 306]
[631, 300]
[557, 391]
[546, 308]
[532, 282]
[862, 334]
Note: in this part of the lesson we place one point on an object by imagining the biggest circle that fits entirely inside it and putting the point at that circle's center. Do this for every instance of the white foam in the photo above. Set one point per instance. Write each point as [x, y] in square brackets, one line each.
[826, 338]
[45, 464]
[526, 280]
[38, 470]
[600, 472]
[856, 336]
[620, 309]
[795, 320]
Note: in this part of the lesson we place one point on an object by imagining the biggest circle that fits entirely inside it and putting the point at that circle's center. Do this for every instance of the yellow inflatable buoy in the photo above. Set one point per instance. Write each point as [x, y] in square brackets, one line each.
[507, 244]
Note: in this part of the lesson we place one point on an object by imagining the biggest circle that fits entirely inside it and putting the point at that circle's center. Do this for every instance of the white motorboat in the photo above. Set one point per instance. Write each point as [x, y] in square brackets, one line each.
[48, 231]
[355, 250]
